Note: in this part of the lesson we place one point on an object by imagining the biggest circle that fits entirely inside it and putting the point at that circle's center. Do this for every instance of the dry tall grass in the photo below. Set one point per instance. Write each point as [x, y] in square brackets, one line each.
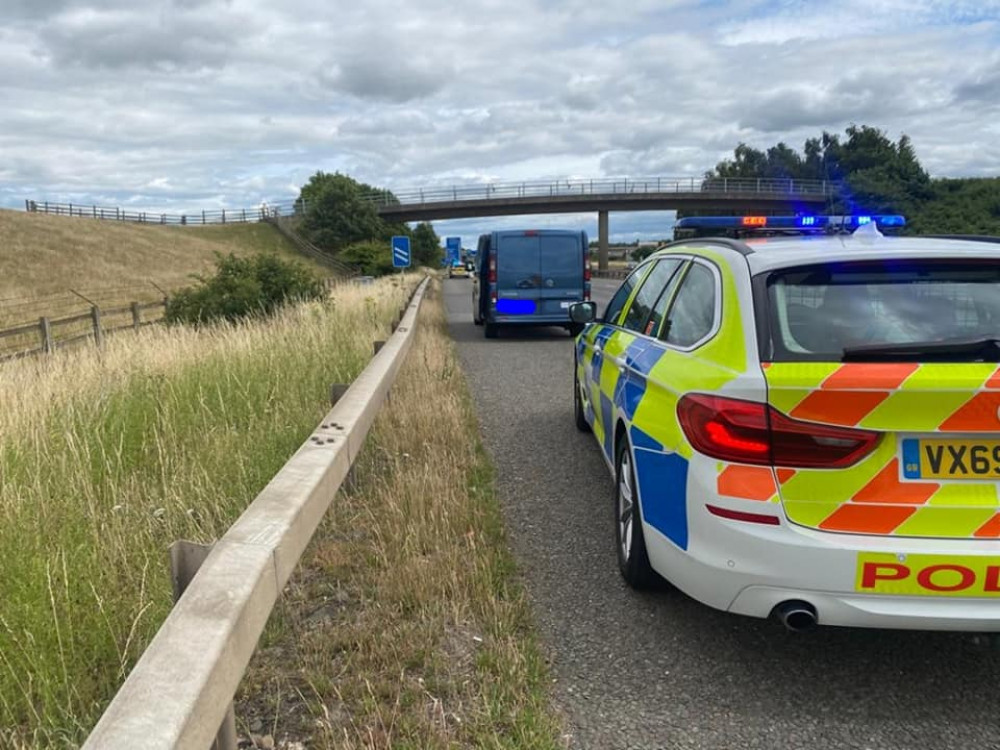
[108, 456]
[43, 257]
[405, 626]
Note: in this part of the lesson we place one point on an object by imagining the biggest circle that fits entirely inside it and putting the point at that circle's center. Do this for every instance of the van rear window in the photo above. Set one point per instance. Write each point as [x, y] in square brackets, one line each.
[816, 312]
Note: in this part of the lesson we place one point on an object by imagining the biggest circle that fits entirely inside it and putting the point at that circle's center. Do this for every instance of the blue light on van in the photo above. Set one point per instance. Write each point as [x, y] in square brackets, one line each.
[515, 306]
[807, 221]
[862, 220]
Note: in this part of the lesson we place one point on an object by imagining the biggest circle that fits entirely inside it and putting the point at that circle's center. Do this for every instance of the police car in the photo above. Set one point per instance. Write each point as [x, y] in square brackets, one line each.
[806, 427]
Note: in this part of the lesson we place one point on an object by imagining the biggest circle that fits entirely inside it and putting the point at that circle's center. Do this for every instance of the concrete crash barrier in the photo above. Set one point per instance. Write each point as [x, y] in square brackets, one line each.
[179, 692]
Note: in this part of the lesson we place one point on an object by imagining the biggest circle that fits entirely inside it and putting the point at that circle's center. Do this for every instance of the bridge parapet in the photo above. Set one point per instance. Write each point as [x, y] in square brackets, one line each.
[788, 189]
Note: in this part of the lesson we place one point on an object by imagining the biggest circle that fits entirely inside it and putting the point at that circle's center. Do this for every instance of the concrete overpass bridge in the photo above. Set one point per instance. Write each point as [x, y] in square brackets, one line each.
[725, 195]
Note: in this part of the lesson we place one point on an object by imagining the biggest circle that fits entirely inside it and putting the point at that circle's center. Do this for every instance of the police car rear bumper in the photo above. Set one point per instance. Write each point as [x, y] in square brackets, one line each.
[749, 568]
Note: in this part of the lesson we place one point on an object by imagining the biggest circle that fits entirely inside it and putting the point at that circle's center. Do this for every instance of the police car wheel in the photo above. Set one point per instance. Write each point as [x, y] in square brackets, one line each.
[632, 558]
[581, 420]
[575, 329]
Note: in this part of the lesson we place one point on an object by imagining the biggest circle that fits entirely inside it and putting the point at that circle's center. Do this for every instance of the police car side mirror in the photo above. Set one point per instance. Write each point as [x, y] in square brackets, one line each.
[583, 312]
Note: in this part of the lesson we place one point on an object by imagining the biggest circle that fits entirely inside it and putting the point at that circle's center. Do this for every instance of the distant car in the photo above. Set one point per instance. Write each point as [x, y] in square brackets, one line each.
[457, 269]
[806, 427]
[529, 277]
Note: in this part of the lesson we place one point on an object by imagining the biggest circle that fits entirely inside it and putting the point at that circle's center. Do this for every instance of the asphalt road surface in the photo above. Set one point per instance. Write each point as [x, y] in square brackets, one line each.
[659, 670]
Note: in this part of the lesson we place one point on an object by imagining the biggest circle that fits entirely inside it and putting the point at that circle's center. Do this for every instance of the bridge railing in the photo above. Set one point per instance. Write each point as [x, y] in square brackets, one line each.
[486, 192]
[616, 186]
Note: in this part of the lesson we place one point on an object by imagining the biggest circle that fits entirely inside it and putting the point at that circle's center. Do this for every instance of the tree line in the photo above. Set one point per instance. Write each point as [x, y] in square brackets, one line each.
[340, 218]
[880, 176]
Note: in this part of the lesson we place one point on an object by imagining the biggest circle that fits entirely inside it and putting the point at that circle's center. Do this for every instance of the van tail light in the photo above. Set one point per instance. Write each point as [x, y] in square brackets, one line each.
[749, 432]
[492, 278]
[493, 298]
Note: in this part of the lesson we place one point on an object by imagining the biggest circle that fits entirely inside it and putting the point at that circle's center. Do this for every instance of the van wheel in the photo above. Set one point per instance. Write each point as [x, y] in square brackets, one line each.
[491, 330]
[633, 562]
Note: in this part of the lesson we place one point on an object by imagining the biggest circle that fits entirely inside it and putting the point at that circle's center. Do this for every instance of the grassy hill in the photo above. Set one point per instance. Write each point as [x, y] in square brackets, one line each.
[43, 258]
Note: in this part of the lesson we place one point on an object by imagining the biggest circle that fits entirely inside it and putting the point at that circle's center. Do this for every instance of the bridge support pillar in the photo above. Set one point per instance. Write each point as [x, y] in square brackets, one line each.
[602, 240]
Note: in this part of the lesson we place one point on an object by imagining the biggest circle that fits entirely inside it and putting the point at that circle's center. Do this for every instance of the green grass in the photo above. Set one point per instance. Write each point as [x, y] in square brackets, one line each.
[405, 626]
[108, 457]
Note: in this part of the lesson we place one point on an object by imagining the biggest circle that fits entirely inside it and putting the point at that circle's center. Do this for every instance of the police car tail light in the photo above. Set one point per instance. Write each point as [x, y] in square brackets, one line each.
[810, 445]
[754, 433]
[726, 428]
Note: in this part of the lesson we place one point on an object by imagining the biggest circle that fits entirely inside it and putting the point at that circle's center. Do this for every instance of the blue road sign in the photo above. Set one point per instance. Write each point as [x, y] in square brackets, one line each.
[400, 252]
[454, 246]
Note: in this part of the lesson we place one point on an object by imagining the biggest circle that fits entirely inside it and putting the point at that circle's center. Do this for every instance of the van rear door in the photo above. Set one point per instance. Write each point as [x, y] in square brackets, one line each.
[519, 276]
[562, 271]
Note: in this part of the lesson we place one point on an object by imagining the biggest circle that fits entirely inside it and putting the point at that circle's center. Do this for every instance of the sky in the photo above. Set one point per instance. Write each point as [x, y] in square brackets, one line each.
[183, 105]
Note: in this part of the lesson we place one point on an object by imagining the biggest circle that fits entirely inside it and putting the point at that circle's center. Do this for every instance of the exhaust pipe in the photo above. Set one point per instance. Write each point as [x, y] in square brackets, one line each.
[797, 616]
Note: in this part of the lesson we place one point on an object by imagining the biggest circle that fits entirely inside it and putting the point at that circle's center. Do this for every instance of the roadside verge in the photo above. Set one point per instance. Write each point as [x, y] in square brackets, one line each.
[404, 625]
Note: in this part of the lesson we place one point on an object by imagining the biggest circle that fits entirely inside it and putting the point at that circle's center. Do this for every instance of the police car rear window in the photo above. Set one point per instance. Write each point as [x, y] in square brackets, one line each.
[815, 313]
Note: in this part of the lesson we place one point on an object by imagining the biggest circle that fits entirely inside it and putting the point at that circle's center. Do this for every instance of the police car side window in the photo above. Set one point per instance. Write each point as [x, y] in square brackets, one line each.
[652, 327]
[692, 315]
[621, 296]
[642, 304]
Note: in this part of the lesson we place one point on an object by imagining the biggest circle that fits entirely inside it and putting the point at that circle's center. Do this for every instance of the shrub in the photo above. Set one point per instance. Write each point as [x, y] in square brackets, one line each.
[242, 287]
[373, 258]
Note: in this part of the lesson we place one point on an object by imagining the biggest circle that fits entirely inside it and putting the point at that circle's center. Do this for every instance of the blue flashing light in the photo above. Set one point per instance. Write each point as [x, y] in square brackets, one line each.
[515, 306]
[750, 223]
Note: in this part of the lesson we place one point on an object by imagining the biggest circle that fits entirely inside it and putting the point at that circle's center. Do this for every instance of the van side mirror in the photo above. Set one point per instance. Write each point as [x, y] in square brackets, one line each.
[583, 312]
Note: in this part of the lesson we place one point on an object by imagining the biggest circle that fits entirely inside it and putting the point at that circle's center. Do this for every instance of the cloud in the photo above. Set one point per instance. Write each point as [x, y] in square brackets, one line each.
[184, 102]
[187, 37]
[386, 77]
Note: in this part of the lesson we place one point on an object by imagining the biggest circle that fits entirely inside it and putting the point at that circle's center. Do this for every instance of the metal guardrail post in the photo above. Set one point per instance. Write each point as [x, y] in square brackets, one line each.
[136, 316]
[185, 559]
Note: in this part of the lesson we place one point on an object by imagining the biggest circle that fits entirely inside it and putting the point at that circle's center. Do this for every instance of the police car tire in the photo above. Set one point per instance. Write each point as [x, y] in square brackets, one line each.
[575, 329]
[581, 419]
[635, 569]
[491, 330]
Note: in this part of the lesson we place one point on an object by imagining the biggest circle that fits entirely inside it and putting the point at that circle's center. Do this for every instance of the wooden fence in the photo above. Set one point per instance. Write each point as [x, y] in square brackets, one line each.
[49, 334]
[117, 213]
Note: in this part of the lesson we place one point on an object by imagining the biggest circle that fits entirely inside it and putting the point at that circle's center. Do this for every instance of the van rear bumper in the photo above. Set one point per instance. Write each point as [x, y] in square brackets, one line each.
[530, 320]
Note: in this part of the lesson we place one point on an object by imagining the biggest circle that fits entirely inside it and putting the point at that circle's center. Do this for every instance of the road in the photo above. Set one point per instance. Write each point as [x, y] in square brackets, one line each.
[659, 670]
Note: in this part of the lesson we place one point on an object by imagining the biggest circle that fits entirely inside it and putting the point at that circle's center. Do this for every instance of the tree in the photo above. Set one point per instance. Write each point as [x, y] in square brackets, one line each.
[879, 176]
[339, 211]
[426, 246]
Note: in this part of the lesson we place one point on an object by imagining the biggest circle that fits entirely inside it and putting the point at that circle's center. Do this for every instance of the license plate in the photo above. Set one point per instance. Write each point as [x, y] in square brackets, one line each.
[951, 459]
[927, 575]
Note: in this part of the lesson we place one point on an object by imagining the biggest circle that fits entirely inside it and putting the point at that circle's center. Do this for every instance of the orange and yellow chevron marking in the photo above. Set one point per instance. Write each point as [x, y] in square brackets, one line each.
[872, 497]
[845, 408]
[990, 529]
[980, 414]
[785, 474]
[867, 519]
[747, 482]
[860, 376]
[886, 488]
